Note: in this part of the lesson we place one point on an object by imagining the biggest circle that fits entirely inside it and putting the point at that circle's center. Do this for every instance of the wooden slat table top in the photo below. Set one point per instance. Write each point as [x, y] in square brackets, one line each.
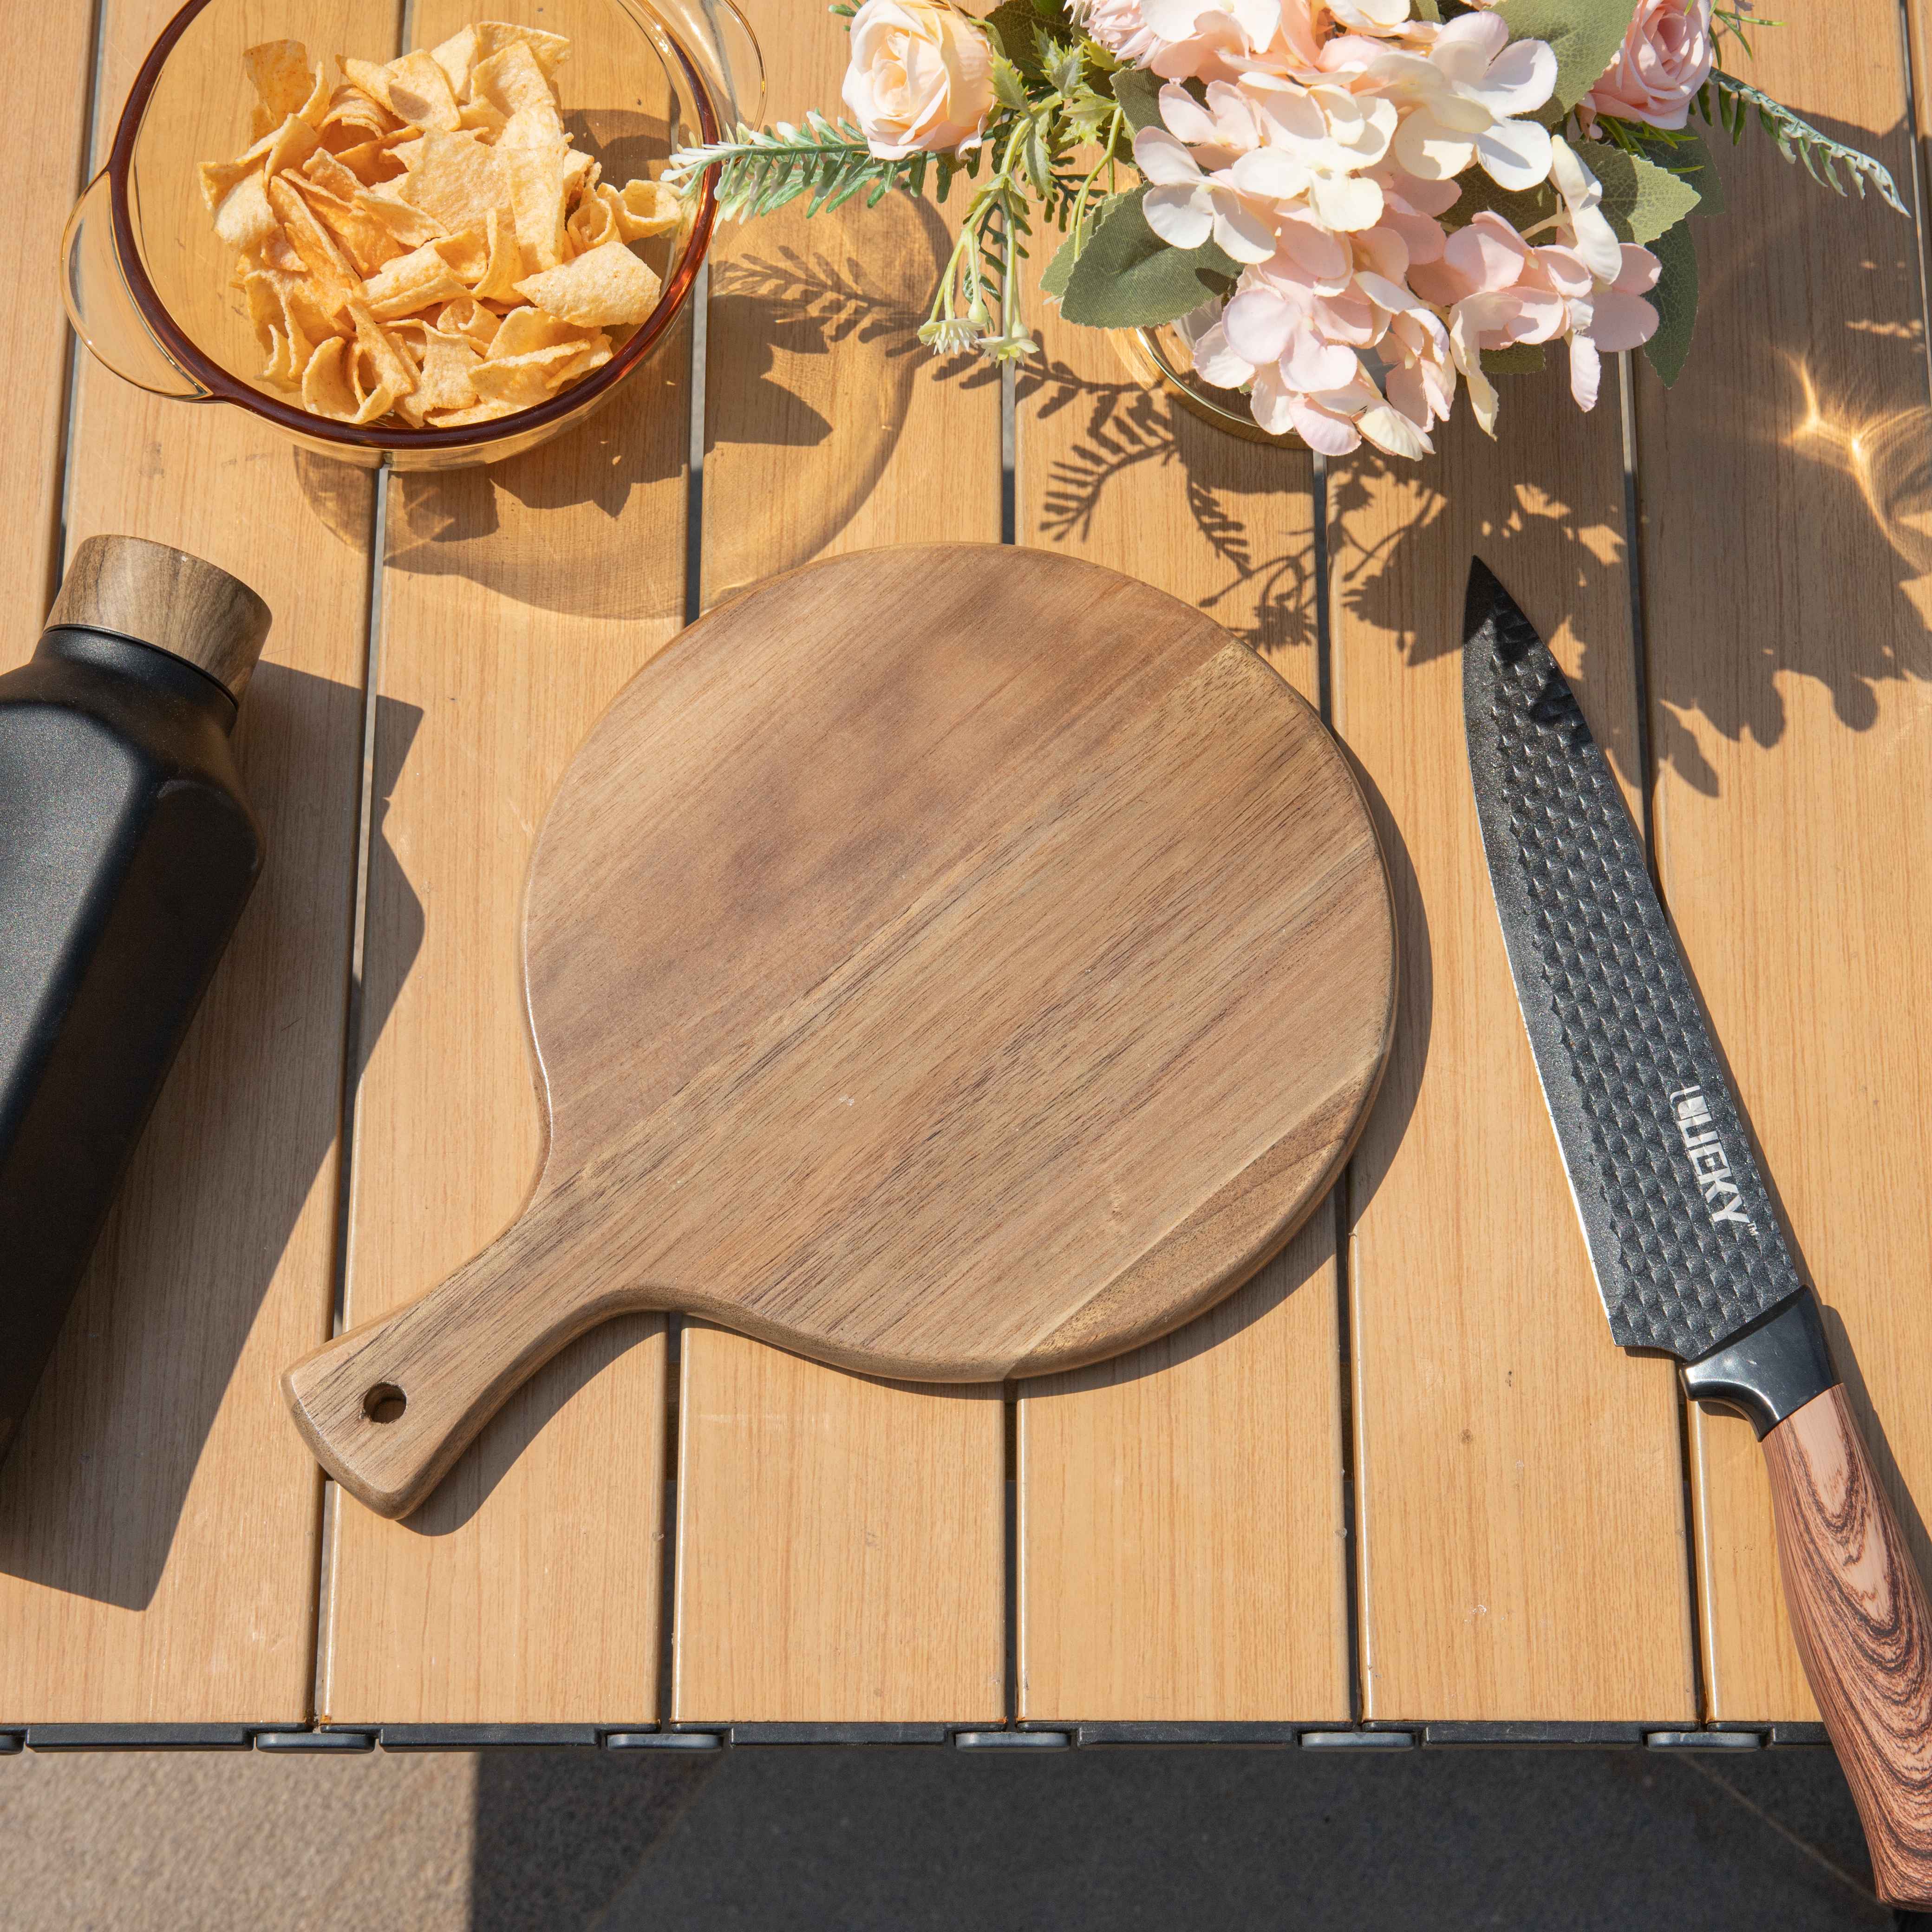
[1402, 1477]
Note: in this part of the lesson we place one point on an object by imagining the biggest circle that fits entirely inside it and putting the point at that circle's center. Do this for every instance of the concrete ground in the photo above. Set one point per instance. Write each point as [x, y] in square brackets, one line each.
[871, 1837]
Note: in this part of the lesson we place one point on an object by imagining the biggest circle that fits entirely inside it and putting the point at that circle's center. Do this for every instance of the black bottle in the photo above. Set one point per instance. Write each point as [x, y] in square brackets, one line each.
[127, 850]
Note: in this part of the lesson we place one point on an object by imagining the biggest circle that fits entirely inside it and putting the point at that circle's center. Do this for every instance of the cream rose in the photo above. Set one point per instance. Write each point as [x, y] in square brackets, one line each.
[921, 79]
[1666, 57]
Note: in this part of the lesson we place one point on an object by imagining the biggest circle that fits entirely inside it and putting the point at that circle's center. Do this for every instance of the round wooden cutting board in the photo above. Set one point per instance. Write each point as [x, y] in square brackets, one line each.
[953, 963]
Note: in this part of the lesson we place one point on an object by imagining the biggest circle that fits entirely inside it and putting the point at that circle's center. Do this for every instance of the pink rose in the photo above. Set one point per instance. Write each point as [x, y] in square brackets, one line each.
[921, 78]
[1666, 57]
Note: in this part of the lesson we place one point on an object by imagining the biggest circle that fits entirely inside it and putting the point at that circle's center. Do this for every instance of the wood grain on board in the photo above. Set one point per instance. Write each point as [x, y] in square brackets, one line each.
[158, 1519]
[1180, 1552]
[1788, 587]
[889, 1069]
[839, 1539]
[518, 601]
[45, 51]
[1520, 1531]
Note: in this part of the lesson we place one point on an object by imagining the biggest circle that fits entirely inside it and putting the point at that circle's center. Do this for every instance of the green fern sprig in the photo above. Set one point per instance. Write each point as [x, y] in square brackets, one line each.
[1797, 140]
[761, 168]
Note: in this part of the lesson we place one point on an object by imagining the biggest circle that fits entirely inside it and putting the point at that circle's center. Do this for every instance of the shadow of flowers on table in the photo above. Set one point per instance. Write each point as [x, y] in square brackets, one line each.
[1227, 524]
[1260, 587]
[1847, 607]
[1787, 498]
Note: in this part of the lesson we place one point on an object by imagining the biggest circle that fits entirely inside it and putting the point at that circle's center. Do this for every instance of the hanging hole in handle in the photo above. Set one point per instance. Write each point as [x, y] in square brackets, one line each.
[384, 1403]
[93, 290]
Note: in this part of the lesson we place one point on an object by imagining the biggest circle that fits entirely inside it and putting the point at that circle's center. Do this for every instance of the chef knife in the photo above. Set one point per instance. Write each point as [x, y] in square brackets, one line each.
[1689, 1255]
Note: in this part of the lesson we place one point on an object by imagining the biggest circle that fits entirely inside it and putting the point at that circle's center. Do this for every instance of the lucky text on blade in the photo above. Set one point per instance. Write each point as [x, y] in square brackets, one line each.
[1682, 1236]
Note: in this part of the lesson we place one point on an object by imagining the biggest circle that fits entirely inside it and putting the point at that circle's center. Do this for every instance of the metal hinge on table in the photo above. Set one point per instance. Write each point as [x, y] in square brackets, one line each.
[1363, 1740]
[1706, 1740]
[1533, 1736]
[1247, 1736]
[835, 1733]
[485, 1737]
[688, 1741]
[694, 1734]
[150, 1737]
[995, 1740]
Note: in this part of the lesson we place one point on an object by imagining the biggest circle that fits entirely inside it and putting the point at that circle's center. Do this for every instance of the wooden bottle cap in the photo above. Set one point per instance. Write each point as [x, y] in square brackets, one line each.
[162, 596]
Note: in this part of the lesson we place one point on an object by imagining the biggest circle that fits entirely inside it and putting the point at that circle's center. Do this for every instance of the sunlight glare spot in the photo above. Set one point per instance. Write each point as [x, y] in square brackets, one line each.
[1884, 455]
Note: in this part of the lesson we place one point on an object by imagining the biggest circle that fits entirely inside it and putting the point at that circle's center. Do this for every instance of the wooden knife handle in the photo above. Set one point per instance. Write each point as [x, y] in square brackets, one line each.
[1864, 1630]
[387, 1407]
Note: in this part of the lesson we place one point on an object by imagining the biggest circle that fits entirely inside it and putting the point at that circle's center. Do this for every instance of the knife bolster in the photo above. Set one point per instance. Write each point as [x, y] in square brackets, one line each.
[1769, 1370]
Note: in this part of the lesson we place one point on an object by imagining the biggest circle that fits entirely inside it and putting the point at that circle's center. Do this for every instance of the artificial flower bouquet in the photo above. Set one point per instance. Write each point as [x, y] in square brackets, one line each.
[1349, 209]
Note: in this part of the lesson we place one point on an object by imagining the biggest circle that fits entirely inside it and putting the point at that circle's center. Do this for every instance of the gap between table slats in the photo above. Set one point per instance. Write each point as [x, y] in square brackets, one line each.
[1788, 582]
[838, 1540]
[516, 600]
[158, 1525]
[1519, 1487]
[1180, 1544]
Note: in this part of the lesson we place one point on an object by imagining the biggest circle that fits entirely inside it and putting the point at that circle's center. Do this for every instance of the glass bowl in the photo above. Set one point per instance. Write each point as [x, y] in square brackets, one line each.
[145, 277]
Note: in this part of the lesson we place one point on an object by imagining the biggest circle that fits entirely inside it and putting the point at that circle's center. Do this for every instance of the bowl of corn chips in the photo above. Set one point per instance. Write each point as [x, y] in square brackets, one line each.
[426, 257]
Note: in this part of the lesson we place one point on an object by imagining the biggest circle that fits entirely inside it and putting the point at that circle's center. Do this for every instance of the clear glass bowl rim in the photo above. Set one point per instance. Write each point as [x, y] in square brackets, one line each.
[220, 386]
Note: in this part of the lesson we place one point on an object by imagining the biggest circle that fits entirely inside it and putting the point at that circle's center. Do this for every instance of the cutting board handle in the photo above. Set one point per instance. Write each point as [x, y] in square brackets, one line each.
[387, 1407]
[1859, 1614]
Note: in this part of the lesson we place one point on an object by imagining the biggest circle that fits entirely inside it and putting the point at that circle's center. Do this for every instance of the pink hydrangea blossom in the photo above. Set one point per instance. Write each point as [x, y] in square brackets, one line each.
[1466, 97]
[1410, 207]
[1321, 144]
[1510, 292]
[1421, 377]
[1312, 331]
[1207, 40]
[1228, 40]
[1618, 318]
[1666, 56]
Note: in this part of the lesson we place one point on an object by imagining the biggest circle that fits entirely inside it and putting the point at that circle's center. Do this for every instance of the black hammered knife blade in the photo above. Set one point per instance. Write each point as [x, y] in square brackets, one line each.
[1689, 1256]
[1686, 1246]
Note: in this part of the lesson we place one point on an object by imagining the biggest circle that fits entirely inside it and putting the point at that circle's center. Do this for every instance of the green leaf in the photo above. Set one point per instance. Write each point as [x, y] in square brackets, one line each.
[1688, 158]
[1022, 30]
[1583, 35]
[1522, 211]
[1053, 281]
[1520, 358]
[1675, 298]
[1014, 27]
[1676, 150]
[1128, 277]
[1038, 167]
[1008, 88]
[1138, 93]
[1641, 200]
[1053, 278]
[1426, 10]
[1064, 66]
